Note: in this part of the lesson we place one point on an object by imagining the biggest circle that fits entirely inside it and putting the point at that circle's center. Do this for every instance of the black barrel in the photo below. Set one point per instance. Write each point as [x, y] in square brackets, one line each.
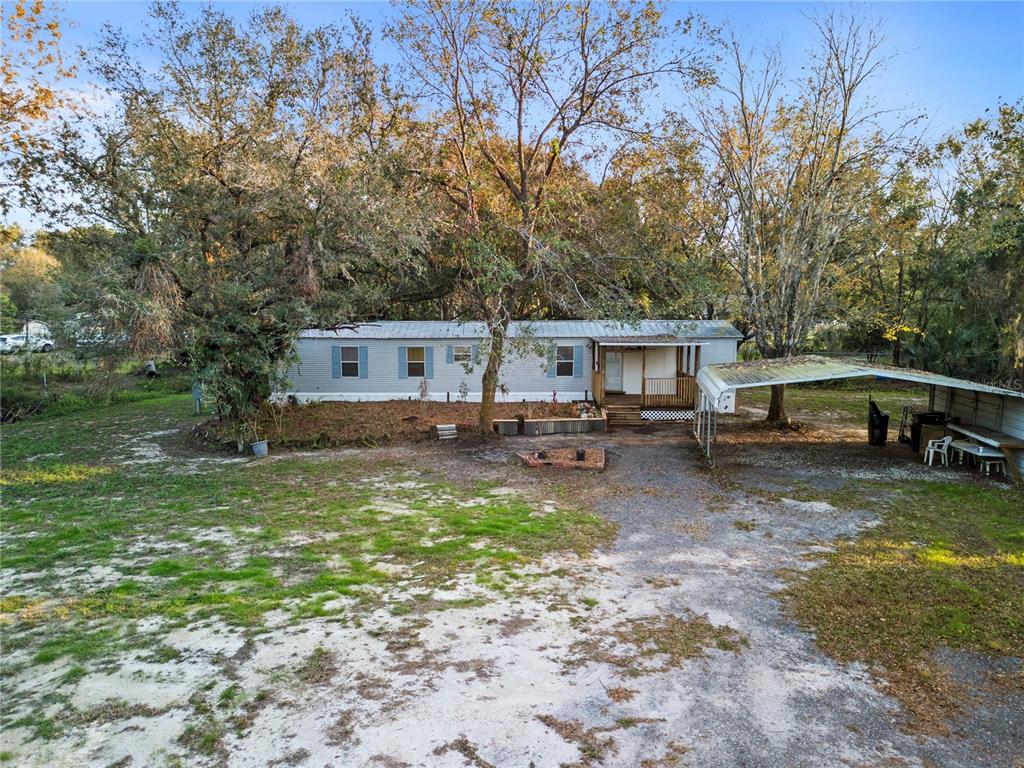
[878, 424]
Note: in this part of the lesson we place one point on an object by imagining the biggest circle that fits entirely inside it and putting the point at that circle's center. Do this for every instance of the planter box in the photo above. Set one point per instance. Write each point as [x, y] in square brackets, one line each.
[552, 426]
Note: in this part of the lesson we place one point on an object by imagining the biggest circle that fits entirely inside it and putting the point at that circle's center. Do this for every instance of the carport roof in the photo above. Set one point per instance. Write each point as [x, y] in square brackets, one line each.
[715, 380]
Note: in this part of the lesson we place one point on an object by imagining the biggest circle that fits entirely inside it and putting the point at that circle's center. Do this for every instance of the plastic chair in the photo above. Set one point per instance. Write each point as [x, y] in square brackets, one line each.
[939, 448]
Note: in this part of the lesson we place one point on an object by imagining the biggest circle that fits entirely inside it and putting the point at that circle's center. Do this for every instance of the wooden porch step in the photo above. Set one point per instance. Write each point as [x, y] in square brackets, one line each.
[624, 416]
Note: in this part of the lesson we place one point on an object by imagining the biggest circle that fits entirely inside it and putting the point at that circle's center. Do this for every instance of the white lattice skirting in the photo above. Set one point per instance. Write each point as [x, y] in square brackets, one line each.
[666, 415]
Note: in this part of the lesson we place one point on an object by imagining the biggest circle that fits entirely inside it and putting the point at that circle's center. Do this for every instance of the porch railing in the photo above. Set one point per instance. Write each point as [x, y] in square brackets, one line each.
[676, 391]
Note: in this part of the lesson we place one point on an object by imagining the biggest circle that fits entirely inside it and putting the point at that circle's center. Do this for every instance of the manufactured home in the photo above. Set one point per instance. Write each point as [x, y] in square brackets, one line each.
[649, 365]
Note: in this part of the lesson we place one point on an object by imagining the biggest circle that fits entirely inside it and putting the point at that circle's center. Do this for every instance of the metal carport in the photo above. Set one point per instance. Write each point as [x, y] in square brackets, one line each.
[716, 383]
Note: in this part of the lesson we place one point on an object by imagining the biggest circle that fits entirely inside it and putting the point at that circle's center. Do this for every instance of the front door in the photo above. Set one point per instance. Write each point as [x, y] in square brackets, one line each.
[613, 371]
[632, 371]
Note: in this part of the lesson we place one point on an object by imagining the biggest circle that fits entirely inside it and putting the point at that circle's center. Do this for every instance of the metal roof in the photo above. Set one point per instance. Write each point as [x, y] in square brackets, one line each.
[715, 380]
[663, 330]
[661, 339]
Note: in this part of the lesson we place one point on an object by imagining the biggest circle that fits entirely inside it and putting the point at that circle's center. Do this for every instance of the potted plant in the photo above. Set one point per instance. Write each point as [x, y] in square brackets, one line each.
[250, 426]
[259, 447]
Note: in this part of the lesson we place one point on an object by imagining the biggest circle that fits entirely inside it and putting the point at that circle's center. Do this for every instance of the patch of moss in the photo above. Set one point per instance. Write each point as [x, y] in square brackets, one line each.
[319, 668]
[678, 637]
[657, 643]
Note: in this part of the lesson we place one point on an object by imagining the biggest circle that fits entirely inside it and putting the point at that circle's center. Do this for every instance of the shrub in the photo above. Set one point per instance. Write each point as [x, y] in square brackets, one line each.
[69, 402]
[18, 402]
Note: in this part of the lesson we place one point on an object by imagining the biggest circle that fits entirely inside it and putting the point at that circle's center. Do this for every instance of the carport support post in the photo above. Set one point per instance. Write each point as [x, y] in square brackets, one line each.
[714, 443]
[706, 427]
[700, 422]
[704, 430]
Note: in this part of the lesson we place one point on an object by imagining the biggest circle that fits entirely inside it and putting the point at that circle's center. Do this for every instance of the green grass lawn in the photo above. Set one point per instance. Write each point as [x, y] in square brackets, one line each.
[59, 384]
[184, 537]
[944, 567]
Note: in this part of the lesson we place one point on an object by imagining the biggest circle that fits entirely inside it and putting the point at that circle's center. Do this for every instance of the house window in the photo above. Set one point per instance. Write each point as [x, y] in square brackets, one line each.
[350, 362]
[415, 365]
[564, 361]
[462, 353]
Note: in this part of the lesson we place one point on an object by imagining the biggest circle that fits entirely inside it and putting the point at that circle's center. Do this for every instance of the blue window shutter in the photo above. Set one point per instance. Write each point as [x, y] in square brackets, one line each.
[577, 362]
[335, 362]
[364, 371]
[403, 363]
[552, 362]
[449, 356]
[428, 356]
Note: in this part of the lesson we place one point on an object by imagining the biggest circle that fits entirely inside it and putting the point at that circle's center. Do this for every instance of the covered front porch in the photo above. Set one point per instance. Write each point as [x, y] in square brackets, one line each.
[646, 372]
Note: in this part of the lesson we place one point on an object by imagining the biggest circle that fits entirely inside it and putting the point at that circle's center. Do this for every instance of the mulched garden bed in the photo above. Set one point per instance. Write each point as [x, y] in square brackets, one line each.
[325, 425]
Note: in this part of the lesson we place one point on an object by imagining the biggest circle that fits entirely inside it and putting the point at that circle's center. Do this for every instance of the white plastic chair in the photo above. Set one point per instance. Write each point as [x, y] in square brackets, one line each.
[939, 448]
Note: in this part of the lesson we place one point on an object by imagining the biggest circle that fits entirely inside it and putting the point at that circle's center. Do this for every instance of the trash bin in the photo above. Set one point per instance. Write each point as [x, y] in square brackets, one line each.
[921, 419]
[878, 424]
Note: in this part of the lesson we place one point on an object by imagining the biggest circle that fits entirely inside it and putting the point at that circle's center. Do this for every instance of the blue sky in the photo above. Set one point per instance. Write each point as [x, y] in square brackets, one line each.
[955, 59]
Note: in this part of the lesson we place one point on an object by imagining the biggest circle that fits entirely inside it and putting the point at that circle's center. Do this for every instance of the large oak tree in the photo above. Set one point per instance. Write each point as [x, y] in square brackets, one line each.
[524, 94]
[250, 187]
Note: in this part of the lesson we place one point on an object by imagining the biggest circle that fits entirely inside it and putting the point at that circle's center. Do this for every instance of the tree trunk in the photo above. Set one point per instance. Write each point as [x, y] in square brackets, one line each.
[490, 379]
[777, 406]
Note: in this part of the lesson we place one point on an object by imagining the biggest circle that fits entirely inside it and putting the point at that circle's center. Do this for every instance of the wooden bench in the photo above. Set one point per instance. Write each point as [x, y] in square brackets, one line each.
[1006, 444]
[446, 431]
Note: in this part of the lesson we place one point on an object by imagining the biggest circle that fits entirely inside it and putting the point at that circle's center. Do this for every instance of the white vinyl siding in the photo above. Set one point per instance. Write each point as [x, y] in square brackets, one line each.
[524, 375]
[718, 351]
[661, 362]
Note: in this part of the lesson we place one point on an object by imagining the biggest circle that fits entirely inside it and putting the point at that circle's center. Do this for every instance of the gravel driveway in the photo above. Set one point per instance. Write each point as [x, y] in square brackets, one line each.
[779, 702]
